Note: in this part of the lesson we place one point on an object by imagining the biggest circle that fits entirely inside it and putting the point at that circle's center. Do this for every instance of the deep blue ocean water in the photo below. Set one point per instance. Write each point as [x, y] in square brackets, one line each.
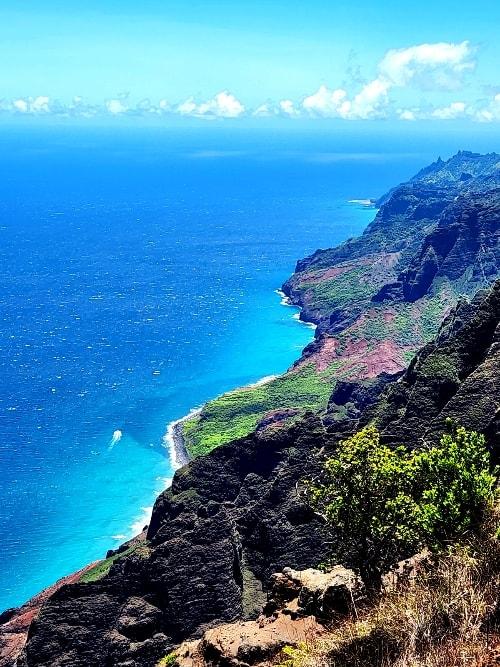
[137, 278]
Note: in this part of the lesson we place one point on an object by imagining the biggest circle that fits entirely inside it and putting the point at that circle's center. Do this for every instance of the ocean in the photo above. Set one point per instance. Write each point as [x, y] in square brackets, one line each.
[138, 269]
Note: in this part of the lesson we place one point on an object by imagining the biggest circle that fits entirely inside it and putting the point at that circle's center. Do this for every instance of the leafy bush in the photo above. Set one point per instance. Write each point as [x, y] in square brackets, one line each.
[383, 503]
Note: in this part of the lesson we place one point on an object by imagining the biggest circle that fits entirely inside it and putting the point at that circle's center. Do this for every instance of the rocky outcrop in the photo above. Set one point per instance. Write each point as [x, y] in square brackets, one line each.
[248, 643]
[350, 399]
[324, 595]
[15, 623]
[464, 244]
[455, 377]
[300, 604]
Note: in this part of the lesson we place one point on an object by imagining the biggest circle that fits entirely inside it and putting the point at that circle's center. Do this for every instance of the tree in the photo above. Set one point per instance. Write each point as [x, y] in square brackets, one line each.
[382, 503]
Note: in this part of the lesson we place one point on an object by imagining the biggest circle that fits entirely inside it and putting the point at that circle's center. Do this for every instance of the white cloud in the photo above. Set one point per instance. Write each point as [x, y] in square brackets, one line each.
[370, 102]
[187, 108]
[453, 110]
[116, 107]
[37, 105]
[264, 110]
[287, 108]
[490, 112]
[223, 105]
[441, 65]
[327, 102]
[21, 106]
[40, 104]
[407, 114]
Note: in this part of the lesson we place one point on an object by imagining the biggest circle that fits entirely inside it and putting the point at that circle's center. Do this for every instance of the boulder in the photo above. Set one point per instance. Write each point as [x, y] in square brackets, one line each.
[320, 594]
[252, 642]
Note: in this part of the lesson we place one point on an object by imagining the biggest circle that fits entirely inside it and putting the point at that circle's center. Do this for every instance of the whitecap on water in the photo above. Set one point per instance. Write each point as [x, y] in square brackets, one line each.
[117, 436]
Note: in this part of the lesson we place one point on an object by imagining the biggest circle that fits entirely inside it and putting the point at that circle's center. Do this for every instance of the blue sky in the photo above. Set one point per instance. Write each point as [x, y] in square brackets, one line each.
[349, 60]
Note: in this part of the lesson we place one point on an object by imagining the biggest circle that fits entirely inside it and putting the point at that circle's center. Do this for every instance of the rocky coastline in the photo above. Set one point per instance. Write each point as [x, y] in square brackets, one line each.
[174, 441]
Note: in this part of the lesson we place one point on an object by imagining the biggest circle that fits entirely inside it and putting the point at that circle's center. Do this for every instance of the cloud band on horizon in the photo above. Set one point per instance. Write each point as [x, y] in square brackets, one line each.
[441, 66]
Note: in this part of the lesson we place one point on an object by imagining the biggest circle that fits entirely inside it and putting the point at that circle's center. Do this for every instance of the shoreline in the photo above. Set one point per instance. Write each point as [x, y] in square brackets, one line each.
[286, 301]
[173, 439]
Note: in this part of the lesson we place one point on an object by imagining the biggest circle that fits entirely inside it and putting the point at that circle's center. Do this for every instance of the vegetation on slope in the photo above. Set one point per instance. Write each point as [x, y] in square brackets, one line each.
[378, 298]
[382, 503]
[446, 617]
[237, 413]
[101, 569]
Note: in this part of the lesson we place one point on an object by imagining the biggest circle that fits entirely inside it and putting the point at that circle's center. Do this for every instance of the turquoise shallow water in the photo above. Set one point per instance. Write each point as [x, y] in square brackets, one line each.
[138, 278]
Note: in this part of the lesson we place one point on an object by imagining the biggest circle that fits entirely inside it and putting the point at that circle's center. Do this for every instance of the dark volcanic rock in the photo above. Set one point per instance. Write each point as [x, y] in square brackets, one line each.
[234, 510]
[350, 399]
[238, 509]
[439, 223]
[455, 377]
[466, 239]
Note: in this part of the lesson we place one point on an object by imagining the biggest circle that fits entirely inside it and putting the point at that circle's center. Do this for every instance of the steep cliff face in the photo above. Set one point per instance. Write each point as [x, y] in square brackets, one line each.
[454, 377]
[464, 247]
[229, 521]
[377, 299]
[437, 225]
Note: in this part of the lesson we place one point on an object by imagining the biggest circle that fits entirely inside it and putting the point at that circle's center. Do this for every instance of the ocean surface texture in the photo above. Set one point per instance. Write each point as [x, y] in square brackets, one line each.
[138, 278]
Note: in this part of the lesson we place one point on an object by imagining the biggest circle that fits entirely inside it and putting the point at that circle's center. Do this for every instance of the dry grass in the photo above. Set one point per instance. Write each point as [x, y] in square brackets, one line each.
[446, 617]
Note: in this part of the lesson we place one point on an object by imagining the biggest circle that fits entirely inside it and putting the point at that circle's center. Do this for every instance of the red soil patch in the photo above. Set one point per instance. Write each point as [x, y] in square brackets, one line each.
[325, 355]
[389, 316]
[319, 276]
[385, 357]
[363, 363]
[355, 348]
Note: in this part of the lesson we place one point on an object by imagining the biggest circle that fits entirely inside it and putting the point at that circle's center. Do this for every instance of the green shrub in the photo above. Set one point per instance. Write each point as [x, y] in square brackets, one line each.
[169, 660]
[383, 503]
[101, 569]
